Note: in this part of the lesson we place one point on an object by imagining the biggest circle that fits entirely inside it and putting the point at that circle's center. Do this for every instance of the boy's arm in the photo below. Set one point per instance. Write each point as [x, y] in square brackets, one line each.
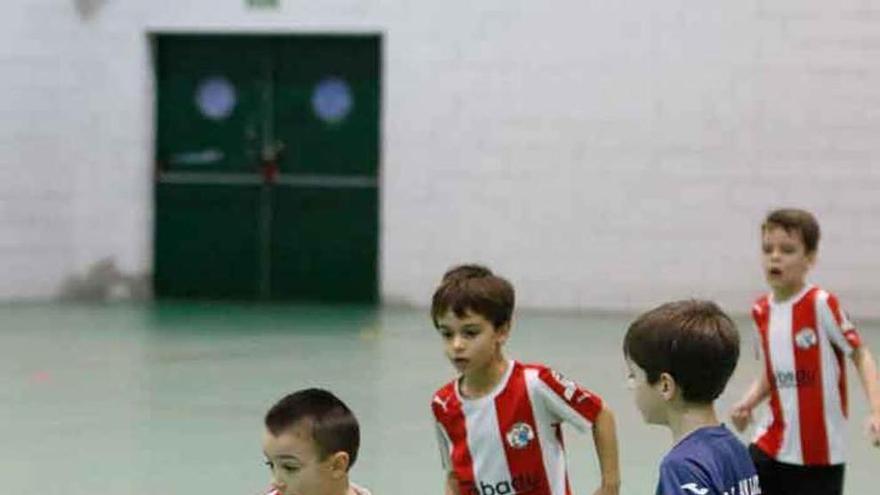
[570, 403]
[844, 336]
[867, 368]
[741, 415]
[605, 439]
[451, 484]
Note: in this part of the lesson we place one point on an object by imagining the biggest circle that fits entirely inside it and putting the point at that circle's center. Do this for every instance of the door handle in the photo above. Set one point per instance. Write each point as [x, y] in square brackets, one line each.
[270, 155]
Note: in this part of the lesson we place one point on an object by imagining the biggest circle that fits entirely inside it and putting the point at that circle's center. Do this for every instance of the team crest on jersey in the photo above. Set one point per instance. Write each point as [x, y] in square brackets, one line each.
[806, 338]
[520, 435]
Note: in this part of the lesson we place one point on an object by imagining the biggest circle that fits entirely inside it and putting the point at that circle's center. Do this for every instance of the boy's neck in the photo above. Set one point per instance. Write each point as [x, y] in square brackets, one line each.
[783, 294]
[342, 488]
[482, 381]
[691, 417]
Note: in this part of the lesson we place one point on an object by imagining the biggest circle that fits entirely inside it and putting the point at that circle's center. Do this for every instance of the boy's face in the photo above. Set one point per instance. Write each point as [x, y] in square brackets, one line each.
[296, 468]
[471, 342]
[785, 260]
[649, 398]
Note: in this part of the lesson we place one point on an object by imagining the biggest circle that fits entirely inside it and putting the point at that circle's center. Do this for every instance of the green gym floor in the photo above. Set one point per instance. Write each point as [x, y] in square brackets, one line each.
[168, 399]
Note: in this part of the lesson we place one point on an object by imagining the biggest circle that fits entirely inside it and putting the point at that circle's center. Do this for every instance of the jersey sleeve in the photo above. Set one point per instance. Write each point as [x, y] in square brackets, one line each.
[568, 401]
[445, 445]
[758, 314]
[840, 330]
[757, 348]
[680, 478]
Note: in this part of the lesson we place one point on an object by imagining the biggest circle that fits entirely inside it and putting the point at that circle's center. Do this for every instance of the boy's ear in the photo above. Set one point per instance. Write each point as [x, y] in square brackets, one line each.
[811, 258]
[667, 386]
[503, 331]
[339, 463]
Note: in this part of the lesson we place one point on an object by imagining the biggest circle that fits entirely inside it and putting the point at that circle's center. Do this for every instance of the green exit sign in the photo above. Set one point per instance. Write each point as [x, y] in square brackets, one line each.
[262, 4]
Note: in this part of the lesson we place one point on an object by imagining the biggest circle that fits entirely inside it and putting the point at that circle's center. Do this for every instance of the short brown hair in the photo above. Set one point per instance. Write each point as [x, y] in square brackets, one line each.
[475, 288]
[795, 220]
[334, 427]
[694, 341]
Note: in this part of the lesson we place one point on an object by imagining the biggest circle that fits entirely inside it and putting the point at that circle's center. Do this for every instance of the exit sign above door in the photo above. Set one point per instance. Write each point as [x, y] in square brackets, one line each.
[262, 4]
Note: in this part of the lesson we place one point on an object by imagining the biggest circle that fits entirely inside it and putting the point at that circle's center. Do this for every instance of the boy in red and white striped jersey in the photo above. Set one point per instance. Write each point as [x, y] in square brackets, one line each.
[499, 422]
[804, 335]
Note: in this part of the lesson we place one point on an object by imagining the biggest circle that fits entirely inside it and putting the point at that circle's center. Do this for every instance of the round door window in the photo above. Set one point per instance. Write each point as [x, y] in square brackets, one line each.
[216, 98]
[332, 100]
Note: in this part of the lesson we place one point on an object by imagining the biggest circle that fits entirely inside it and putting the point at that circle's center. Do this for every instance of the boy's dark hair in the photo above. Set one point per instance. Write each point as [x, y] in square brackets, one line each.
[795, 220]
[475, 288]
[334, 427]
[693, 341]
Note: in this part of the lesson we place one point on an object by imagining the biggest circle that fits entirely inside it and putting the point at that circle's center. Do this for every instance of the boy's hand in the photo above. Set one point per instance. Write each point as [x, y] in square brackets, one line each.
[607, 489]
[741, 416]
[872, 425]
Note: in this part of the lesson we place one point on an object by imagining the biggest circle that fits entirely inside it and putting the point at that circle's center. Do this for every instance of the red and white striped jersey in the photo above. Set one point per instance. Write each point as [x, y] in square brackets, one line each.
[804, 341]
[510, 441]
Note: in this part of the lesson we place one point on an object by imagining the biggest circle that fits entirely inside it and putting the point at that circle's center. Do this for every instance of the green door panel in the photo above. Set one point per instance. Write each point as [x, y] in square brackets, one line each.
[324, 244]
[211, 94]
[205, 243]
[312, 145]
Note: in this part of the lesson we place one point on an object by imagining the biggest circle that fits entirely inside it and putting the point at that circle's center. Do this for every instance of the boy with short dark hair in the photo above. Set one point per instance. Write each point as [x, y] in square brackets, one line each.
[680, 356]
[804, 335]
[499, 422]
[310, 442]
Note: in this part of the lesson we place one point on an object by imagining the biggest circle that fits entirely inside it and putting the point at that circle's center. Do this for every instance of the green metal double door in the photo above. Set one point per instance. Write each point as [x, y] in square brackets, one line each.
[267, 153]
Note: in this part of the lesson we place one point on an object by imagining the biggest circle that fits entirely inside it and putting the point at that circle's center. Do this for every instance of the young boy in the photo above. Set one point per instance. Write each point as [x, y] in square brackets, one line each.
[680, 356]
[499, 422]
[310, 443]
[804, 336]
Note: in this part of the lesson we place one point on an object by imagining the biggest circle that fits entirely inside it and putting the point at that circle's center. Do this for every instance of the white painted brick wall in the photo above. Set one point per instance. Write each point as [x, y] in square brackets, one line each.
[600, 154]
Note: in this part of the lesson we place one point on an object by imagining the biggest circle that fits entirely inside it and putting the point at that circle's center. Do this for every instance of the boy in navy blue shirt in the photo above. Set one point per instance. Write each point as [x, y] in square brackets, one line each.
[680, 356]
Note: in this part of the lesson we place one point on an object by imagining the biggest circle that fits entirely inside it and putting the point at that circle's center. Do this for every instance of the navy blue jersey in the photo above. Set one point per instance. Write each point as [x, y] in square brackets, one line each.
[709, 461]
